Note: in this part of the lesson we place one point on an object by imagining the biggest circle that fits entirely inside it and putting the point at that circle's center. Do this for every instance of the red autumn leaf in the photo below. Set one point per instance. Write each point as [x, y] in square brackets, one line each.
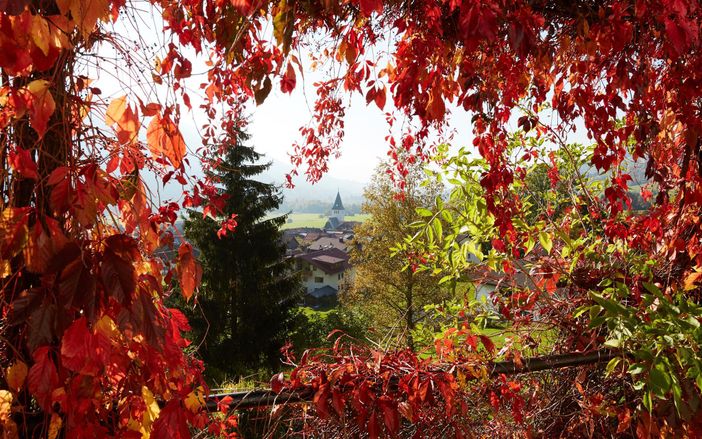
[42, 324]
[624, 420]
[243, 6]
[224, 404]
[321, 402]
[116, 110]
[43, 377]
[370, 6]
[75, 345]
[41, 106]
[80, 351]
[181, 322]
[373, 426]
[391, 416]
[164, 140]
[228, 225]
[171, 422]
[150, 109]
[338, 402]
[45, 244]
[22, 162]
[676, 35]
[287, 84]
[380, 98]
[489, 345]
[57, 175]
[128, 126]
[189, 271]
[61, 195]
[183, 69]
[494, 401]
[13, 230]
[436, 109]
[117, 269]
[77, 285]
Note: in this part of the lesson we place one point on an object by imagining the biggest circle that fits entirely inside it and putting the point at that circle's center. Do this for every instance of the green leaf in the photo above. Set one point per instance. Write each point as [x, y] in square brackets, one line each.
[446, 215]
[653, 289]
[659, 379]
[636, 369]
[612, 306]
[613, 363]
[438, 228]
[545, 240]
[445, 279]
[597, 321]
[421, 211]
[613, 343]
[580, 312]
[647, 401]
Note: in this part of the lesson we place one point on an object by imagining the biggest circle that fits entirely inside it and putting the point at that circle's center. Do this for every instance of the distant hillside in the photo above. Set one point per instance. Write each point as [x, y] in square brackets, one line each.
[636, 169]
[314, 198]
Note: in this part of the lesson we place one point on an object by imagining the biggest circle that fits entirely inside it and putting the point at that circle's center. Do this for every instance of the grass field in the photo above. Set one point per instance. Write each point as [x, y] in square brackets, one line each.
[316, 220]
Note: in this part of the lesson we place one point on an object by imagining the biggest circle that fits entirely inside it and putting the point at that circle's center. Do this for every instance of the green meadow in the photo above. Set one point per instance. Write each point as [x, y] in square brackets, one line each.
[316, 220]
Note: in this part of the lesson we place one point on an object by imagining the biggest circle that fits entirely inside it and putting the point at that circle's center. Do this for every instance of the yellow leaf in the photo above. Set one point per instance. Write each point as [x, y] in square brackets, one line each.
[151, 412]
[164, 139]
[85, 13]
[5, 405]
[691, 280]
[55, 426]
[40, 33]
[116, 110]
[195, 400]
[106, 326]
[42, 106]
[16, 375]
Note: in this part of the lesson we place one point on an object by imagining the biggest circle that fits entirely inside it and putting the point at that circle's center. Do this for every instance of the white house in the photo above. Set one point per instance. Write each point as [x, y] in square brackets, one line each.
[323, 271]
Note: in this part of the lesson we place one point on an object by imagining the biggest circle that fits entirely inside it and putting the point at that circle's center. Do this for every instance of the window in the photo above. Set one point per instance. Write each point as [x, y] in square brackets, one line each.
[318, 280]
[341, 276]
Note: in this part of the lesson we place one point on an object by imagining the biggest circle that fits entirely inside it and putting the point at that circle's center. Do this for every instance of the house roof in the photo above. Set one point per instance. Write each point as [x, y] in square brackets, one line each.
[330, 260]
[348, 225]
[332, 223]
[328, 242]
[324, 291]
[338, 205]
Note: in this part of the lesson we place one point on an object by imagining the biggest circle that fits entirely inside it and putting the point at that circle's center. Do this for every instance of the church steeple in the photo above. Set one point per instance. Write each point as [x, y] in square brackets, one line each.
[338, 213]
[338, 205]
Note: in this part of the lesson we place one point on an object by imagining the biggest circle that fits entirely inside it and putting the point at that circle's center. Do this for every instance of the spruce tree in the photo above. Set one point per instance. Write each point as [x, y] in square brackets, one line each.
[249, 291]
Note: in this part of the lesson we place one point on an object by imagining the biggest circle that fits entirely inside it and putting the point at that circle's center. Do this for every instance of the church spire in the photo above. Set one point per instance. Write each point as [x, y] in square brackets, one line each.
[338, 205]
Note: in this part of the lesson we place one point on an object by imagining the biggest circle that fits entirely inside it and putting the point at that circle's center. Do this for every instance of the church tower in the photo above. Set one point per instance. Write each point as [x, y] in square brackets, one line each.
[338, 210]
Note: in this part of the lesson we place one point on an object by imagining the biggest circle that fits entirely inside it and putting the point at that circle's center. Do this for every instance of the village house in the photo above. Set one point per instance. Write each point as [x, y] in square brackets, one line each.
[322, 256]
[323, 271]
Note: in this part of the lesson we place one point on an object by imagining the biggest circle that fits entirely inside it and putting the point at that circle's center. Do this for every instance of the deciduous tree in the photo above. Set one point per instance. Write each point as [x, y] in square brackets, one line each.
[391, 295]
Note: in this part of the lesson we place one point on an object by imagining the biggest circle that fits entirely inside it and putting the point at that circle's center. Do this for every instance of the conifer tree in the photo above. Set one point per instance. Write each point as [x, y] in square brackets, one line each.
[249, 291]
